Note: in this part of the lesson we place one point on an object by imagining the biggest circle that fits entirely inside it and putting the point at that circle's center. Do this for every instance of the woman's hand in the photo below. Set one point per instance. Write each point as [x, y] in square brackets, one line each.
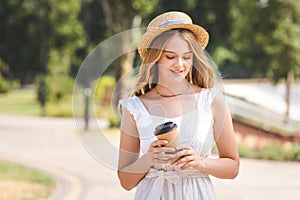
[188, 158]
[159, 153]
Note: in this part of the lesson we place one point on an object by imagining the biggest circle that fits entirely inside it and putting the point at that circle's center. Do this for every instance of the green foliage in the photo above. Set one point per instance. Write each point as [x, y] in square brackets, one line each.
[103, 89]
[272, 152]
[59, 82]
[60, 91]
[245, 151]
[248, 38]
[144, 7]
[265, 37]
[60, 109]
[295, 152]
[21, 173]
[249, 32]
[10, 103]
[114, 122]
[30, 29]
[284, 48]
[4, 85]
[42, 90]
[103, 93]
[221, 55]
[57, 87]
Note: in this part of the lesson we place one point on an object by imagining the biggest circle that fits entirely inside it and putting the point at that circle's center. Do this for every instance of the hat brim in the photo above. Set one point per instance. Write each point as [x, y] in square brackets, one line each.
[200, 33]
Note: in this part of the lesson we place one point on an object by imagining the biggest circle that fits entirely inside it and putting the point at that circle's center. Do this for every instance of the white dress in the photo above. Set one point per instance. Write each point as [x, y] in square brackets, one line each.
[195, 129]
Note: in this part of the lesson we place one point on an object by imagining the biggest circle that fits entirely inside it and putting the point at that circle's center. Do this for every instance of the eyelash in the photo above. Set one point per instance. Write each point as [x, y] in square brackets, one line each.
[172, 57]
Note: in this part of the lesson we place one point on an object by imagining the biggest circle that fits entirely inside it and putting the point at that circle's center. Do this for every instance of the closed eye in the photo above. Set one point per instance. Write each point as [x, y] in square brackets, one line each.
[170, 57]
[187, 58]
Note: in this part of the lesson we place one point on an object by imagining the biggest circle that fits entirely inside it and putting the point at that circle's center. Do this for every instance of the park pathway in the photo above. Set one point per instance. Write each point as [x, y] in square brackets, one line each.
[52, 145]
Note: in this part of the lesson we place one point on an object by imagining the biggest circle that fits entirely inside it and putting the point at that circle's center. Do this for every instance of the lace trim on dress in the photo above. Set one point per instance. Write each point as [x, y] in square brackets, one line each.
[207, 96]
[134, 106]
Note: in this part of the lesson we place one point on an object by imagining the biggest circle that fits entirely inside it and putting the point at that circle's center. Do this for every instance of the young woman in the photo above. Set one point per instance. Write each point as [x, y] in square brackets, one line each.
[176, 83]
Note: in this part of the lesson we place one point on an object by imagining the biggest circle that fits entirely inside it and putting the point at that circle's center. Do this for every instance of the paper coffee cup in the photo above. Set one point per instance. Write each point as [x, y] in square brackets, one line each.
[168, 131]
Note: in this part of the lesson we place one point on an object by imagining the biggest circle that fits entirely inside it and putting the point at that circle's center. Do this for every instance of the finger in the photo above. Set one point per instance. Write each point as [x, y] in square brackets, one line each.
[161, 160]
[185, 166]
[192, 163]
[168, 150]
[182, 147]
[185, 159]
[163, 156]
[159, 143]
[185, 153]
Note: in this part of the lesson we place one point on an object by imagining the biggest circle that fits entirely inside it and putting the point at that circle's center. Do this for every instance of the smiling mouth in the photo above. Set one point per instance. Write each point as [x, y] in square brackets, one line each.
[176, 72]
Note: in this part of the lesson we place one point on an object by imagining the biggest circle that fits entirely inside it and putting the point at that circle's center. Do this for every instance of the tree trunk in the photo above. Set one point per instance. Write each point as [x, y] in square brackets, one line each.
[127, 60]
[86, 83]
[108, 16]
[124, 65]
[43, 44]
[289, 80]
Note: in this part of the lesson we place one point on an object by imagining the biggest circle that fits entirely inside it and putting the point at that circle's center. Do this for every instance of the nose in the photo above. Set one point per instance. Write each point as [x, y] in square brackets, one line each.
[179, 63]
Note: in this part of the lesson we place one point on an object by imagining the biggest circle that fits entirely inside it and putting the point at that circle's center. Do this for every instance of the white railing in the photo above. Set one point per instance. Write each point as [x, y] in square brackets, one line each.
[261, 117]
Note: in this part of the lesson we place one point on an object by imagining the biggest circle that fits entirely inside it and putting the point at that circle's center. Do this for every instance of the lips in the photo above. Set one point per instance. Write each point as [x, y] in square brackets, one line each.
[176, 71]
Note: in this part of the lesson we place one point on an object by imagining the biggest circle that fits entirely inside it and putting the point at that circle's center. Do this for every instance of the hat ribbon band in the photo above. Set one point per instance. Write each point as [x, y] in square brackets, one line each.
[170, 22]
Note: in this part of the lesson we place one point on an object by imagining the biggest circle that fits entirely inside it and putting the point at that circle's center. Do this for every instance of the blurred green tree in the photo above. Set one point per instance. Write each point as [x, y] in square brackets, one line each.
[19, 45]
[31, 29]
[60, 35]
[124, 15]
[248, 36]
[284, 43]
[265, 39]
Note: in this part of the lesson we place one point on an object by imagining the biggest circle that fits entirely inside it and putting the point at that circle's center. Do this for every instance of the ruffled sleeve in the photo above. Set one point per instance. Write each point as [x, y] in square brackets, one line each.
[137, 110]
[214, 92]
[207, 97]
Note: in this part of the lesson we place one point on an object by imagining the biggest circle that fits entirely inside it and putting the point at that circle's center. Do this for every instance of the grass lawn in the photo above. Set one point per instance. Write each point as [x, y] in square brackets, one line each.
[18, 182]
[20, 102]
[24, 102]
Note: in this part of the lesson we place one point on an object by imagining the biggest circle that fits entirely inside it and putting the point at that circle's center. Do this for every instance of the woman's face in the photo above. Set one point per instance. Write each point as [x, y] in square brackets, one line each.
[176, 59]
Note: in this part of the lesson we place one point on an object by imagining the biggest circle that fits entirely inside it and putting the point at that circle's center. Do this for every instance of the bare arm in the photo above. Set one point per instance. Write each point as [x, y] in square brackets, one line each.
[227, 165]
[132, 168]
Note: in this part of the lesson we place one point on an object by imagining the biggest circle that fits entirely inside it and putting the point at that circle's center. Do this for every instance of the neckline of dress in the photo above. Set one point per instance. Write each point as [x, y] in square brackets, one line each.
[176, 117]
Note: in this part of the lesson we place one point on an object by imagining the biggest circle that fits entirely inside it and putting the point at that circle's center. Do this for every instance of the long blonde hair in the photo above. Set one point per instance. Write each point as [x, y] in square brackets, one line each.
[201, 73]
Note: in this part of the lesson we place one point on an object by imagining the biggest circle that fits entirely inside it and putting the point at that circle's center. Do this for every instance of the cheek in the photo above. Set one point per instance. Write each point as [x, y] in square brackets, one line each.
[190, 62]
[188, 65]
[163, 68]
[165, 62]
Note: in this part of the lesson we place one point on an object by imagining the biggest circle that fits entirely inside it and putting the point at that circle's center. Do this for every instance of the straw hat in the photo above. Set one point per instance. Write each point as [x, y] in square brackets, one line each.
[168, 21]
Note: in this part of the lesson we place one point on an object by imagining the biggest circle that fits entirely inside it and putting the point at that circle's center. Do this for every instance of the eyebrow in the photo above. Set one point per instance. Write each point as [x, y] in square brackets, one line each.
[165, 51]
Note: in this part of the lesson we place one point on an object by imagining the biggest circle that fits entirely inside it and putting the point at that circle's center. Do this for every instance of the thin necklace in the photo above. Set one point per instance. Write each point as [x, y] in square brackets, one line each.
[173, 95]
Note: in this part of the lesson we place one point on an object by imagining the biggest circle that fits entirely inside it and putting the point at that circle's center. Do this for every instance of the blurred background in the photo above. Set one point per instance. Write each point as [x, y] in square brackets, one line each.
[255, 45]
